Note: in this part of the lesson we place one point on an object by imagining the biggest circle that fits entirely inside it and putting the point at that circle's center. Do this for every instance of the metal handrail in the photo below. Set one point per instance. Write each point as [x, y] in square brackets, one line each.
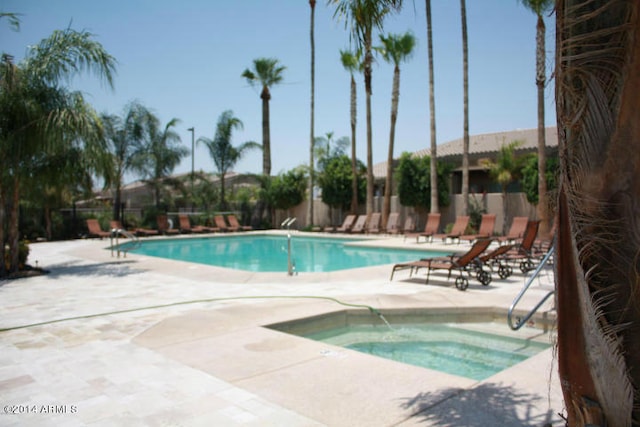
[537, 271]
[133, 239]
[290, 264]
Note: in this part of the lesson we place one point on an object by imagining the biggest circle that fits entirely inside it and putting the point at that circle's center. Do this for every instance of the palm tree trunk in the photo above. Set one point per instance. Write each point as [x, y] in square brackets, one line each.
[223, 202]
[3, 269]
[598, 272]
[13, 232]
[433, 179]
[465, 143]
[388, 184]
[354, 163]
[116, 202]
[368, 59]
[312, 4]
[543, 205]
[266, 135]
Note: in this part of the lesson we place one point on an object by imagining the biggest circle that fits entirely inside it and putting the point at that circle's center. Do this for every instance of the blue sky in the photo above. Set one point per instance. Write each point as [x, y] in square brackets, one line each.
[185, 60]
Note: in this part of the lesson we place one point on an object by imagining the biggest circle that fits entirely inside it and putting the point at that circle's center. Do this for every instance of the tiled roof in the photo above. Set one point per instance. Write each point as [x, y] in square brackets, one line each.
[484, 143]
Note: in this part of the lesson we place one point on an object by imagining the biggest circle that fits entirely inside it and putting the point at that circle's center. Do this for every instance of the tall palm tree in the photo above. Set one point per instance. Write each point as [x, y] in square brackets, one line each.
[364, 16]
[222, 152]
[312, 4]
[506, 169]
[598, 287]
[38, 115]
[352, 62]
[395, 49]
[465, 85]
[432, 115]
[124, 141]
[160, 154]
[266, 73]
[539, 7]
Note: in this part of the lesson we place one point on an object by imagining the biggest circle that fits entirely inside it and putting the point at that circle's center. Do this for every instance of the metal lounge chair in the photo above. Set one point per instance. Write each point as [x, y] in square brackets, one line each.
[518, 225]
[467, 262]
[373, 226]
[221, 223]
[346, 224]
[94, 229]
[393, 225]
[186, 227]
[360, 224]
[430, 228]
[495, 259]
[485, 231]
[235, 225]
[409, 225]
[526, 252]
[164, 227]
[140, 232]
[458, 229]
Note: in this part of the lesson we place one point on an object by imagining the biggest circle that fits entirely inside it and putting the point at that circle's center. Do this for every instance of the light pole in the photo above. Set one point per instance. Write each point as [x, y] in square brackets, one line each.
[193, 154]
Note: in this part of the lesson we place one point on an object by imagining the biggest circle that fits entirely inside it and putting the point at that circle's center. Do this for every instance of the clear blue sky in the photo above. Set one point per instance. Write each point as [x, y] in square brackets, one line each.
[185, 60]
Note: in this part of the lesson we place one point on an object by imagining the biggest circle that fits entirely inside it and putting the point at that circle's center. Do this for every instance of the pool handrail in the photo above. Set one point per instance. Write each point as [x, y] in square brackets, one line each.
[525, 319]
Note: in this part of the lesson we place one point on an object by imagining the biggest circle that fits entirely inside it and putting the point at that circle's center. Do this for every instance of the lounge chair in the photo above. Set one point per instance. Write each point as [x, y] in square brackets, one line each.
[347, 224]
[518, 225]
[430, 228]
[235, 225]
[164, 227]
[526, 252]
[485, 231]
[393, 225]
[373, 226]
[94, 229]
[221, 223]
[117, 225]
[467, 262]
[458, 229]
[409, 225]
[360, 224]
[495, 259]
[186, 227]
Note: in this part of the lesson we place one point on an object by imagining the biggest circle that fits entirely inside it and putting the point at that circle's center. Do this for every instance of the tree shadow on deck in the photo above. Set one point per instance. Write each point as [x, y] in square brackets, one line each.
[119, 268]
[487, 404]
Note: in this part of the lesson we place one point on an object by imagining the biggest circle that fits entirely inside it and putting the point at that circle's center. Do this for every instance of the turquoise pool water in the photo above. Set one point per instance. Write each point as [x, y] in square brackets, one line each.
[262, 253]
[451, 348]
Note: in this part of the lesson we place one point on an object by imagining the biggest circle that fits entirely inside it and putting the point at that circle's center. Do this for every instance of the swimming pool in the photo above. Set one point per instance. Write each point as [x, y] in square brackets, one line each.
[472, 344]
[268, 253]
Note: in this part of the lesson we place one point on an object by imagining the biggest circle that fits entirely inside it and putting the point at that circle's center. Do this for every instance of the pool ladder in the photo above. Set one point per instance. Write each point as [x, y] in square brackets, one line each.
[132, 243]
[522, 321]
[291, 266]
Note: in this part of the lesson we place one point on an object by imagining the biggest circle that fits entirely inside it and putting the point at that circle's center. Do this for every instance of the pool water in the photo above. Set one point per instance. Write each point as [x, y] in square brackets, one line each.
[260, 253]
[450, 348]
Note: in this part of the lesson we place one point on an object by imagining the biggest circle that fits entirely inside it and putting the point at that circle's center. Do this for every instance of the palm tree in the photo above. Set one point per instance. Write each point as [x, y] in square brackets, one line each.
[432, 117]
[539, 7]
[38, 115]
[598, 288]
[312, 4]
[465, 84]
[124, 141]
[266, 72]
[224, 154]
[160, 154]
[352, 62]
[364, 16]
[395, 49]
[506, 169]
[14, 20]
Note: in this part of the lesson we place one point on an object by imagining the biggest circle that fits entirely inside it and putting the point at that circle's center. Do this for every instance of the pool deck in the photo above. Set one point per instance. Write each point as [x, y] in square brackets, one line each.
[143, 341]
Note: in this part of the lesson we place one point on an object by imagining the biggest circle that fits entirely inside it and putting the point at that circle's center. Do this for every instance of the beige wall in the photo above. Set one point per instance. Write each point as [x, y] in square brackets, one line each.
[517, 206]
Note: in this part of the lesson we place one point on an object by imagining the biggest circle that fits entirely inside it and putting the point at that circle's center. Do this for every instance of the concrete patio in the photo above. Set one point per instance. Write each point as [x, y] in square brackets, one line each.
[142, 341]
